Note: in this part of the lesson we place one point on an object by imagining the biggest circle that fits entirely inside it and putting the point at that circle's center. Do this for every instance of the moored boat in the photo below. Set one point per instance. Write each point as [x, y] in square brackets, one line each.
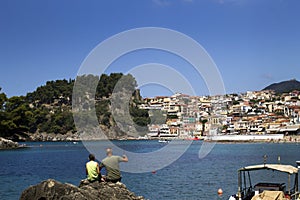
[163, 141]
[195, 138]
[267, 190]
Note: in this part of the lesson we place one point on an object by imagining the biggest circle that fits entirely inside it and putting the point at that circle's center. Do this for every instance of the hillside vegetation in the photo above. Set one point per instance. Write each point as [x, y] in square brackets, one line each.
[49, 108]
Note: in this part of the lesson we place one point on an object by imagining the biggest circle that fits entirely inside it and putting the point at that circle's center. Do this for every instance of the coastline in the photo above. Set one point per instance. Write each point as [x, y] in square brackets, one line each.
[6, 144]
[83, 136]
[286, 139]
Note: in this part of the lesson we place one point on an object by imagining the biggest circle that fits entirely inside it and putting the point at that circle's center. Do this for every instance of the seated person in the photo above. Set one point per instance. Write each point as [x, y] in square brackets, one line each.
[111, 164]
[92, 169]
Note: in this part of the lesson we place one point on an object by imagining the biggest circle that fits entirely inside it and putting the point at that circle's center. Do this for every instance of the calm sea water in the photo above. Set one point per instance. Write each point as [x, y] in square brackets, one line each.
[187, 178]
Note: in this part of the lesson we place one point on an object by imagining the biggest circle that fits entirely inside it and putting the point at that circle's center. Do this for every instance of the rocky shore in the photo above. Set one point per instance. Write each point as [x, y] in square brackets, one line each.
[70, 136]
[8, 144]
[114, 135]
[43, 137]
[54, 190]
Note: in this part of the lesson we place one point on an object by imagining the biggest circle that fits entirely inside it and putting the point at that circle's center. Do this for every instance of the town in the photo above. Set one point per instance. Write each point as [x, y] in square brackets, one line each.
[250, 113]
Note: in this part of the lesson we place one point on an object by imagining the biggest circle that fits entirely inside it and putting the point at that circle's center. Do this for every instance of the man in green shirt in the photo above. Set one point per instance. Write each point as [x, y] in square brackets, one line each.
[111, 164]
[92, 169]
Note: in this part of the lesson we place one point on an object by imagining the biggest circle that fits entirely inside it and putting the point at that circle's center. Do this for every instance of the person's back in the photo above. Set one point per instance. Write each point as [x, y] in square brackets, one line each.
[111, 164]
[92, 169]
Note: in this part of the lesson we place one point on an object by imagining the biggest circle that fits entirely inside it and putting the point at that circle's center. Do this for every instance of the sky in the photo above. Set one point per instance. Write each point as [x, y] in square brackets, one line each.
[253, 43]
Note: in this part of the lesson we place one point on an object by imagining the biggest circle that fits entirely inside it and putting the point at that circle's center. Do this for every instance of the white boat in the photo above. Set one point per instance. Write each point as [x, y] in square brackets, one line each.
[279, 191]
[143, 137]
[163, 141]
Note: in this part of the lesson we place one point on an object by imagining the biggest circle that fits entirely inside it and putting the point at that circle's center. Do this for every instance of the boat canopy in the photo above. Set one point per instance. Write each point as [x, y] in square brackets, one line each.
[283, 168]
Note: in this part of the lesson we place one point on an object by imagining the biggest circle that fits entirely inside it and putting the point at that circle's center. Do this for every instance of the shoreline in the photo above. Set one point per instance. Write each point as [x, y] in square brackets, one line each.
[6, 144]
[286, 139]
[15, 148]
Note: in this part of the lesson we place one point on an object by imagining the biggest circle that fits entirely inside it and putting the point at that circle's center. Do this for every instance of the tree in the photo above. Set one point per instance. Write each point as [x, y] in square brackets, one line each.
[203, 122]
[3, 99]
[4, 122]
[48, 108]
[16, 116]
[140, 117]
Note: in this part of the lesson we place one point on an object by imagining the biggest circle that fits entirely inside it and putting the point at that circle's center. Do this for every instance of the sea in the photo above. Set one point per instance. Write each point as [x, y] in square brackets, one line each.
[188, 177]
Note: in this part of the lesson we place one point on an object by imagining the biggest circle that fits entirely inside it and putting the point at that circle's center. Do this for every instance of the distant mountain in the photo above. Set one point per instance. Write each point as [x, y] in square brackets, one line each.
[284, 86]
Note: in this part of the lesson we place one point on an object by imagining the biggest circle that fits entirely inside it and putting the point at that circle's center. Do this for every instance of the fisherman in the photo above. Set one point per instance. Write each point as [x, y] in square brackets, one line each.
[111, 164]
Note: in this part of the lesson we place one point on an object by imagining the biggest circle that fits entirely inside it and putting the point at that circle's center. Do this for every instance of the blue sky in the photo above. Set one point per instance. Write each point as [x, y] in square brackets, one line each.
[253, 42]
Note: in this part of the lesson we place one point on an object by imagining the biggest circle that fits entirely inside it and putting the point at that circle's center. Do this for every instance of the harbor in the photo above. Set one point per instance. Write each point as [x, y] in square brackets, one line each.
[251, 116]
[214, 135]
[188, 176]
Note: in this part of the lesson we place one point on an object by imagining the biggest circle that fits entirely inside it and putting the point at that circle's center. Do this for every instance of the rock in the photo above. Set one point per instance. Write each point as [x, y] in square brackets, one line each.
[8, 144]
[54, 190]
[52, 137]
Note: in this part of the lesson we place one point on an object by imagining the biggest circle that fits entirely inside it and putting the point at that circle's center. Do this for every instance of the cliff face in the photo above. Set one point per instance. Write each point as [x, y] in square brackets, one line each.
[54, 190]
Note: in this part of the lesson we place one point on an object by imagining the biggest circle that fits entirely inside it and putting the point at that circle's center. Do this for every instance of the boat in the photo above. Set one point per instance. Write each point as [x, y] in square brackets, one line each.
[195, 138]
[163, 141]
[145, 137]
[268, 190]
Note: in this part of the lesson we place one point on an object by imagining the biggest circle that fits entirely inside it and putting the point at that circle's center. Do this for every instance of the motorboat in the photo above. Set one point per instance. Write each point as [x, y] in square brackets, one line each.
[163, 141]
[196, 138]
[268, 190]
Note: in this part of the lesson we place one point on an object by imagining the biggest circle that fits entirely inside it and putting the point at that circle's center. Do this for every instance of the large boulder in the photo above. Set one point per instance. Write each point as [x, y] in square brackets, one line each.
[8, 144]
[54, 190]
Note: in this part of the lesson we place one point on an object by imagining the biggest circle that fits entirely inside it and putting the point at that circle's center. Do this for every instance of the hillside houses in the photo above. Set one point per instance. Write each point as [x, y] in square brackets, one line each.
[254, 112]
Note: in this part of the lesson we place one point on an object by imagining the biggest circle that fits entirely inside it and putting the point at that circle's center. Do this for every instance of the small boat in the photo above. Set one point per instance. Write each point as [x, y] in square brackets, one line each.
[143, 137]
[268, 190]
[163, 141]
[195, 138]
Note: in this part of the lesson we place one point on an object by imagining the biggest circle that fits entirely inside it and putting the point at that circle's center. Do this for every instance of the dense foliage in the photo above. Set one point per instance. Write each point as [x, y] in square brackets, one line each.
[49, 108]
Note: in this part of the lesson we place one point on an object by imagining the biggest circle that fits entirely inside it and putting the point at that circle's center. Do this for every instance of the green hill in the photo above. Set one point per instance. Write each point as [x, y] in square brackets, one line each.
[49, 108]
